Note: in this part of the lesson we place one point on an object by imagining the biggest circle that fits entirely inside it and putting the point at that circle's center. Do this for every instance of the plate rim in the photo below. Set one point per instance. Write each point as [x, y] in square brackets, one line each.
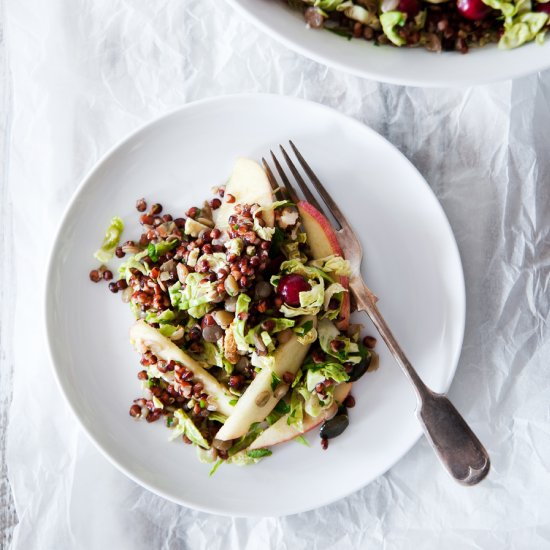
[379, 76]
[49, 304]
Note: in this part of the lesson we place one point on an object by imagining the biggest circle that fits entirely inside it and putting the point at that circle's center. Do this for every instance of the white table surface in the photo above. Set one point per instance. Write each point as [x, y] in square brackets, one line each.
[84, 73]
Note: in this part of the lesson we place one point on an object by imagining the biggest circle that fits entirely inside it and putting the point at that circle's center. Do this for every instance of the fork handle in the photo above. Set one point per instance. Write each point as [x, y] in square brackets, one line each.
[454, 442]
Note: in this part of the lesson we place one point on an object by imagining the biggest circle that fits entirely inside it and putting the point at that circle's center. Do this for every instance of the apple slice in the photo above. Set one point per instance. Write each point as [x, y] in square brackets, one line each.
[248, 184]
[258, 399]
[323, 242]
[280, 431]
[145, 337]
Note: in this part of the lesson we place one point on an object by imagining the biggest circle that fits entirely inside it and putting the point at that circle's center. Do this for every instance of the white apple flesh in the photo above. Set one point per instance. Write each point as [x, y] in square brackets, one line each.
[144, 337]
[281, 431]
[248, 184]
[258, 399]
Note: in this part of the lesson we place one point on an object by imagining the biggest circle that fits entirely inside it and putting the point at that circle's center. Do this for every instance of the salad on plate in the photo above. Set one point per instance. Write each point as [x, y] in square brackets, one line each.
[437, 25]
[242, 325]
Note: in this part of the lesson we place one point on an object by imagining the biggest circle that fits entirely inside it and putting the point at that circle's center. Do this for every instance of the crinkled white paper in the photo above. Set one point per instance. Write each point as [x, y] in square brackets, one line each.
[87, 72]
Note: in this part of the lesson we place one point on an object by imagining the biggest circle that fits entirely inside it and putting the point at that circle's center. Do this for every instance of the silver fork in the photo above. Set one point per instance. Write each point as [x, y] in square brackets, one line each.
[456, 445]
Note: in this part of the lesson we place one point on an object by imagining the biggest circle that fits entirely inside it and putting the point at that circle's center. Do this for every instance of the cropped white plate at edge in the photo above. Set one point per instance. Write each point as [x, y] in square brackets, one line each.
[411, 262]
[406, 66]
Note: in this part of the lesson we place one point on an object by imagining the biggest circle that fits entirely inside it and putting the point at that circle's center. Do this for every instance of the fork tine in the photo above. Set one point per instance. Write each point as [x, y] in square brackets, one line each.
[331, 205]
[303, 186]
[286, 181]
[271, 177]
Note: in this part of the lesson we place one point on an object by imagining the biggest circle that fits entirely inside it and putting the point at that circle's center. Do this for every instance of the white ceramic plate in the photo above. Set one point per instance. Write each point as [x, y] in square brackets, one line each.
[414, 67]
[411, 262]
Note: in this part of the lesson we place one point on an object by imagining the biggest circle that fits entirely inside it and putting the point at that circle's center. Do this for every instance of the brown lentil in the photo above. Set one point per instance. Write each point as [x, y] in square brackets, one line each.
[318, 356]
[193, 212]
[288, 377]
[369, 342]
[336, 345]
[94, 276]
[349, 402]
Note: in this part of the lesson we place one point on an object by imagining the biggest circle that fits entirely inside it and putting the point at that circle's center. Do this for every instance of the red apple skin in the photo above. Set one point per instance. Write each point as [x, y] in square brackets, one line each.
[323, 242]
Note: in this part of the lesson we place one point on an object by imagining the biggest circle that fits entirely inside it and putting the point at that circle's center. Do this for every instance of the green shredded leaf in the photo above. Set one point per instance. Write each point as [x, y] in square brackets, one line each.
[110, 241]
[301, 439]
[239, 325]
[259, 453]
[303, 329]
[246, 440]
[234, 246]
[340, 32]
[306, 332]
[160, 317]
[167, 330]
[233, 402]
[328, 5]
[215, 467]
[196, 297]
[152, 252]
[132, 263]
[205, 455]
[275, 381]
[296, 414]
[186, 426]
[523, 28]
[390, 20]
[325, 371]
[333, 264]
[280, 409]
[217, 416]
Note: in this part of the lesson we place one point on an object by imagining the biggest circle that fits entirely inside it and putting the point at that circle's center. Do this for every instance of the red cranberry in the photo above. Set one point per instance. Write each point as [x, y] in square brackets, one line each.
[289, 289]
[545, 8]
[475, 10]
[410, 7]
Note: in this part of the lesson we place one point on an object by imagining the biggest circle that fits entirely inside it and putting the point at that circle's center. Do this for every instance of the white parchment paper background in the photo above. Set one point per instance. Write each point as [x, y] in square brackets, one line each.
[87, 72]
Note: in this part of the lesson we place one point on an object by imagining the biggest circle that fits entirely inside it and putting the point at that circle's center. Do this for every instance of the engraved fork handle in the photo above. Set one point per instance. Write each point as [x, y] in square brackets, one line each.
[454, 442]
